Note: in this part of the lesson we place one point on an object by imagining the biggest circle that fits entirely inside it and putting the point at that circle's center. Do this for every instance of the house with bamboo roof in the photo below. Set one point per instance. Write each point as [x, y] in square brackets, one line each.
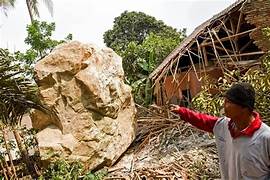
[232, 39]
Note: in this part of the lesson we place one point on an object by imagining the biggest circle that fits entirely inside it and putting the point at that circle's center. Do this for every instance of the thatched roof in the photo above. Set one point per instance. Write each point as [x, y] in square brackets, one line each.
[187, 42]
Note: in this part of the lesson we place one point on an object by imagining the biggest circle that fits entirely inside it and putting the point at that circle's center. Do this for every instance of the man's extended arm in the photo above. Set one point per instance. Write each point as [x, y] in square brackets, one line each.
[201, 121]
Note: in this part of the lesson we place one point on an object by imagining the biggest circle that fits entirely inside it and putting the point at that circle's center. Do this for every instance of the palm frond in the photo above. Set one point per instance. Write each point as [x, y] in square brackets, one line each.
[17, 93]
[5, 5]
[34, 7]
[49, 5]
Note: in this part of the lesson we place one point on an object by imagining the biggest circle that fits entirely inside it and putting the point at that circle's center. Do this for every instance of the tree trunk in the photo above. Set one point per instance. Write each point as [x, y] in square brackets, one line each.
[8, 151]
[29, 11]
[24, 152]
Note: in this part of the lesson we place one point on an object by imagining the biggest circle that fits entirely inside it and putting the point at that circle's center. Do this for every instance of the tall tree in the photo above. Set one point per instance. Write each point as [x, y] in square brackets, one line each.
[136, 35]
[32, 6]
[143, 42]
[135, 27]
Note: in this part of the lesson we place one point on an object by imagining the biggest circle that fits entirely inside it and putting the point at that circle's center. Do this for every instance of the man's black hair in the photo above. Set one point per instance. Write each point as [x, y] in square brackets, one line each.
[242, 94]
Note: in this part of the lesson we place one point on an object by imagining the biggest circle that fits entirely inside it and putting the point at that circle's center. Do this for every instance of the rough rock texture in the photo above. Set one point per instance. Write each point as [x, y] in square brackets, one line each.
[95, 113]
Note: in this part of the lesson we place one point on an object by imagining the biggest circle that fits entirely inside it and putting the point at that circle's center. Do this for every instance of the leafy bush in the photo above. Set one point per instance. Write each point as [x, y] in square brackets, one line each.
[63, 170]
[259, 79]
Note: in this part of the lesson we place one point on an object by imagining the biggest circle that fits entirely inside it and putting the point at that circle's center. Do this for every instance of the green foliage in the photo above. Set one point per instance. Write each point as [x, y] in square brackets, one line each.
[139, 60]
[135, 27]
[17, 96]
[17, 93]
[208, 103]
[259, 79]
[99, 175]
[143, 42]
[39, 37]
[63, 170]
[266, 32]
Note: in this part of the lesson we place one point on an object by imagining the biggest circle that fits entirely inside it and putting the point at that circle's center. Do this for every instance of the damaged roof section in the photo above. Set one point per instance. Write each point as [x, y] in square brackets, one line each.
[232, 39]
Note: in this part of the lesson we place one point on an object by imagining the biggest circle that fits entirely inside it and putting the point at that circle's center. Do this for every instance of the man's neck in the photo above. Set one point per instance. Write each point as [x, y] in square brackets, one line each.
[244, 121]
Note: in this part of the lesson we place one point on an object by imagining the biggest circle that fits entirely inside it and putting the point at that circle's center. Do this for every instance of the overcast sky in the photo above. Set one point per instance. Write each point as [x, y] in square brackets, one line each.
[87, 20]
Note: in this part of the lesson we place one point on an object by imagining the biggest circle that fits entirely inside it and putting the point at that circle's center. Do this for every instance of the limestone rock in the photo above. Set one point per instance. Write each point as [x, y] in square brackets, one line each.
[94, 118]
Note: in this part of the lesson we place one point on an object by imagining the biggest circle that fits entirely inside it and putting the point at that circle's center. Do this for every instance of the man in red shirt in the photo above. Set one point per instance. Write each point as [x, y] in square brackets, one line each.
[243, 140]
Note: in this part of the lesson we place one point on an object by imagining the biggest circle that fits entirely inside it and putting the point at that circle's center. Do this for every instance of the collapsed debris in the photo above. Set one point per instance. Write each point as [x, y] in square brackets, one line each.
[168, 148]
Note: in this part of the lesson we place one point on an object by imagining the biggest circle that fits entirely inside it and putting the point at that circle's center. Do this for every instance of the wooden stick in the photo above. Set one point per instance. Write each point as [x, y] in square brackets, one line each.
[245, 54]
[205, 56]
[225, 49]
[229, 30]
[175, 71]
[237, 31]
[220, 48]
[231, 42]
[232, 26]
[187, 72]
[233, 36]
[192, 63]
[239, 22]
[173, 74]
[194, 54]
[200, 52]
[215, 51]
[245, 46]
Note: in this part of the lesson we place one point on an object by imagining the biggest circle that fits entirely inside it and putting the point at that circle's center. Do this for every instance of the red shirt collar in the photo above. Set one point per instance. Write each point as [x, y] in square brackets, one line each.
[249, 131]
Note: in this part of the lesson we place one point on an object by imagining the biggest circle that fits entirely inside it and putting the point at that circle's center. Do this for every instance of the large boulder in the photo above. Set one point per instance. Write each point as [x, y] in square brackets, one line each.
[94, 119]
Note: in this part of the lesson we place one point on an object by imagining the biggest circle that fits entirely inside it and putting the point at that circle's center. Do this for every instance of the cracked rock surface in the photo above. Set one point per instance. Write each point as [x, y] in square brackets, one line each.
[94, 119]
